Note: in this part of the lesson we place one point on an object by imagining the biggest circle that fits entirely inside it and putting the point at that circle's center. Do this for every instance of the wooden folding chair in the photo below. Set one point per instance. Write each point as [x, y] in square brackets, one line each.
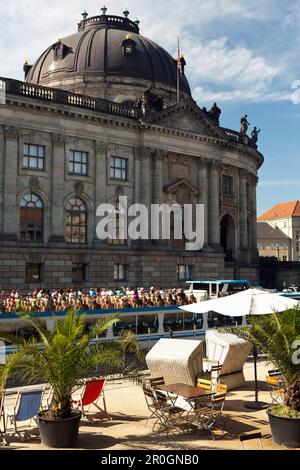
[250, 437]
[93, 390]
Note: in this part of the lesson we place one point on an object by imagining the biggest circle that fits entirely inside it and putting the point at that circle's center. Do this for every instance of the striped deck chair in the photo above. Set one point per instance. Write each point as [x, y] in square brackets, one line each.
[26, 407]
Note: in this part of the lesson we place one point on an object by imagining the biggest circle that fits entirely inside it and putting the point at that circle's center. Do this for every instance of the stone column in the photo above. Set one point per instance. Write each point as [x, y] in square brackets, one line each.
[243, 210]
[10, 214]
[57, 189]
[146, 176]
[203, 197]
[214, 204]
[2, 154]
[254, 250]
[137, 174]
[100, 179]
[158, 182]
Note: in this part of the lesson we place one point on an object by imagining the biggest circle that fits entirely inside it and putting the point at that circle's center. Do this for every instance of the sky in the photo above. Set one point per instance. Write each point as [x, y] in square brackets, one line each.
[244, 54]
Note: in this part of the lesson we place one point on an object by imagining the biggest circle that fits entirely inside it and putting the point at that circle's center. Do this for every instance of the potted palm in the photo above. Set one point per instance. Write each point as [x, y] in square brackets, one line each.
[63, 358]
[277, 336]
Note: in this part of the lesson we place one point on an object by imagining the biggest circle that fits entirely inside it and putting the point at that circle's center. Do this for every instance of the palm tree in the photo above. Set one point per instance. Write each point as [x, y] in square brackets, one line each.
[65, 356]
[275, 336]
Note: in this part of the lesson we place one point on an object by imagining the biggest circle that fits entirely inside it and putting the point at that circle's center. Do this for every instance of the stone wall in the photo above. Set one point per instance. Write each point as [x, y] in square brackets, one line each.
[152, 268]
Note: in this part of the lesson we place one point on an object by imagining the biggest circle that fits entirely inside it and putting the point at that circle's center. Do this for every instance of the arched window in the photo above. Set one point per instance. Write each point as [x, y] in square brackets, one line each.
[76, 221]
[117, 226]
[31, 218]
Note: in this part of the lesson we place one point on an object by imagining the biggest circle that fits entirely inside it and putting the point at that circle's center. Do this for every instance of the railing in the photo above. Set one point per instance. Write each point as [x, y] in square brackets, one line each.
[56, 96]
[111, 21]
[233, 135]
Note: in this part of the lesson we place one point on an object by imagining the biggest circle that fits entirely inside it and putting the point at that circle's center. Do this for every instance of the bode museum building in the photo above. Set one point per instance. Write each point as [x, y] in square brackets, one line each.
[98, 117]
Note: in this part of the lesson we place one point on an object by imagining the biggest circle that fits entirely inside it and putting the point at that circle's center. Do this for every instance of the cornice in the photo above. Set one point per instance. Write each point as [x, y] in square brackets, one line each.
[101, 118]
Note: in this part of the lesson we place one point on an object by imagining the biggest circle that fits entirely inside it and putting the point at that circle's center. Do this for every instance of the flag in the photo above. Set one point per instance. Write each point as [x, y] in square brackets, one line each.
[179, 64]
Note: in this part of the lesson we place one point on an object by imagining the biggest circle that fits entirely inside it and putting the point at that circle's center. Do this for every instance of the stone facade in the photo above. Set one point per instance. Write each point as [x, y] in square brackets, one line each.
[173, 153]
[165, 164]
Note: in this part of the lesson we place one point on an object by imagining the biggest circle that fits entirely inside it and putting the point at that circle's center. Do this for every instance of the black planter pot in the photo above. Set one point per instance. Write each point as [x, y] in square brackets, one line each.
[59, 433]
[285, 431]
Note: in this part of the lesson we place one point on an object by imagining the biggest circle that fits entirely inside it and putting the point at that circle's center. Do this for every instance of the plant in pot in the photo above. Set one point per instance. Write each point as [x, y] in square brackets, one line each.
[277, 336]
[63, 358]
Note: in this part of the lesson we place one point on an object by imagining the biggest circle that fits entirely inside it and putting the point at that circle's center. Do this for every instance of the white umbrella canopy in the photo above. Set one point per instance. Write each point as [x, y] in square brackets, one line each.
[247, 302]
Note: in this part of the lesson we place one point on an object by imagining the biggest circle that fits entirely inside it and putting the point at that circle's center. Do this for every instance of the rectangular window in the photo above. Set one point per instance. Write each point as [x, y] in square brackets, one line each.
[79, 272]
[227, 185]
[78, 163]
[120, 272]
[34, 157]
[119, 168]
[184, 272]
[33, 273]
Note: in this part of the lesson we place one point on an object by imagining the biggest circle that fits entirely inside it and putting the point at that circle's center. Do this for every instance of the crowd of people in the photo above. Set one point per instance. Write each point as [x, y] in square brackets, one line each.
[44, 300]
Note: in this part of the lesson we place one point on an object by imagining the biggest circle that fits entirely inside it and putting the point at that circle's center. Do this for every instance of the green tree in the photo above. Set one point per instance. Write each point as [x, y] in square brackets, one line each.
[275, 336]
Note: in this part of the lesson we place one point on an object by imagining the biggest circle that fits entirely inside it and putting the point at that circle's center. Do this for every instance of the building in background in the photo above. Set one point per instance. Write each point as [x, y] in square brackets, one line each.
[97, 117]
[273, 242]
[284, 218]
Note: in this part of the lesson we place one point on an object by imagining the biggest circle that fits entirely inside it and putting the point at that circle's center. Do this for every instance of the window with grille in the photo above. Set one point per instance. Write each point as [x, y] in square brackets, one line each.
[76, 221]
[120, 272]
[78, 163]
[184, 272]
[31, 218]
[34, 157]
[79, 271]
[33, 272]
[227, 185]
[119, 168]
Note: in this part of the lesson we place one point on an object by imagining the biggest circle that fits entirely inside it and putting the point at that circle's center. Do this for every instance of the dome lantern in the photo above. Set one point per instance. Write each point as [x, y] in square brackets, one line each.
[84, 15]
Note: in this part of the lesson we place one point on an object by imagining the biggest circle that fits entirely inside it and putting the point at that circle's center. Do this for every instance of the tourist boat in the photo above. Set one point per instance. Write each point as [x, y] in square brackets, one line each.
[149, 324]
[205, 290]
[292, 293]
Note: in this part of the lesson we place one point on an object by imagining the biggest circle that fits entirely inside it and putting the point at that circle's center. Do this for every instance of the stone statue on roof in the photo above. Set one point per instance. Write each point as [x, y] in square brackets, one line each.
[150, 101]
[254, 135]
[244, 124]
[215, 113]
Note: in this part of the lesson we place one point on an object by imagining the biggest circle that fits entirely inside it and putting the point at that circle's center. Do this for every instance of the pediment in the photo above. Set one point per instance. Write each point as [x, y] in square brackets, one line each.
[186, 116]
[182, 185]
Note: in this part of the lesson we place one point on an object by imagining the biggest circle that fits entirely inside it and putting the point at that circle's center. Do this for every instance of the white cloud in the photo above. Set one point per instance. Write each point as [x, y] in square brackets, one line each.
[223, 61]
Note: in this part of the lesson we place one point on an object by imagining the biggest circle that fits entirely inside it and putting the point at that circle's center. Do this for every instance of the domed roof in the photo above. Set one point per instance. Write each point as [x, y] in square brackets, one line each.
[99, 49]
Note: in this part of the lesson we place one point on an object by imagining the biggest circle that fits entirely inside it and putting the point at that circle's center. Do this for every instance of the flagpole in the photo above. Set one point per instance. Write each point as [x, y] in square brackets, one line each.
[178, 74]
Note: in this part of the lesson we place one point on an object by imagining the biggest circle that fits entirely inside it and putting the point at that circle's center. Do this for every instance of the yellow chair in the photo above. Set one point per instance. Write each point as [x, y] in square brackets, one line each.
[204, 384]
[276, 389]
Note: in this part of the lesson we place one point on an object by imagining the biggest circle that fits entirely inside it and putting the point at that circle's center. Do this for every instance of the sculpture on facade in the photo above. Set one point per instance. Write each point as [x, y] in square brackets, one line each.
[215, 113]
[254, 135]
[150, 101]
[244, 124]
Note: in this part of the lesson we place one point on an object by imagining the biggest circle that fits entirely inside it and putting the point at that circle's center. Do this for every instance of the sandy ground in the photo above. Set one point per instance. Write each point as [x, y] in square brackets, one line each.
[128, 431]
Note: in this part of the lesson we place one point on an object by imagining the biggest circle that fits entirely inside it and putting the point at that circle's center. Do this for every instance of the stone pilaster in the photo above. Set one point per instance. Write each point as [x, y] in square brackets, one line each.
[243, 210]
[10, 213]
[158, 182]
[100, 183]
[57, 189]
[203, 197]
[146, 176]
[2, 159]
[214, 204]
[254, 251]
[137, 174]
